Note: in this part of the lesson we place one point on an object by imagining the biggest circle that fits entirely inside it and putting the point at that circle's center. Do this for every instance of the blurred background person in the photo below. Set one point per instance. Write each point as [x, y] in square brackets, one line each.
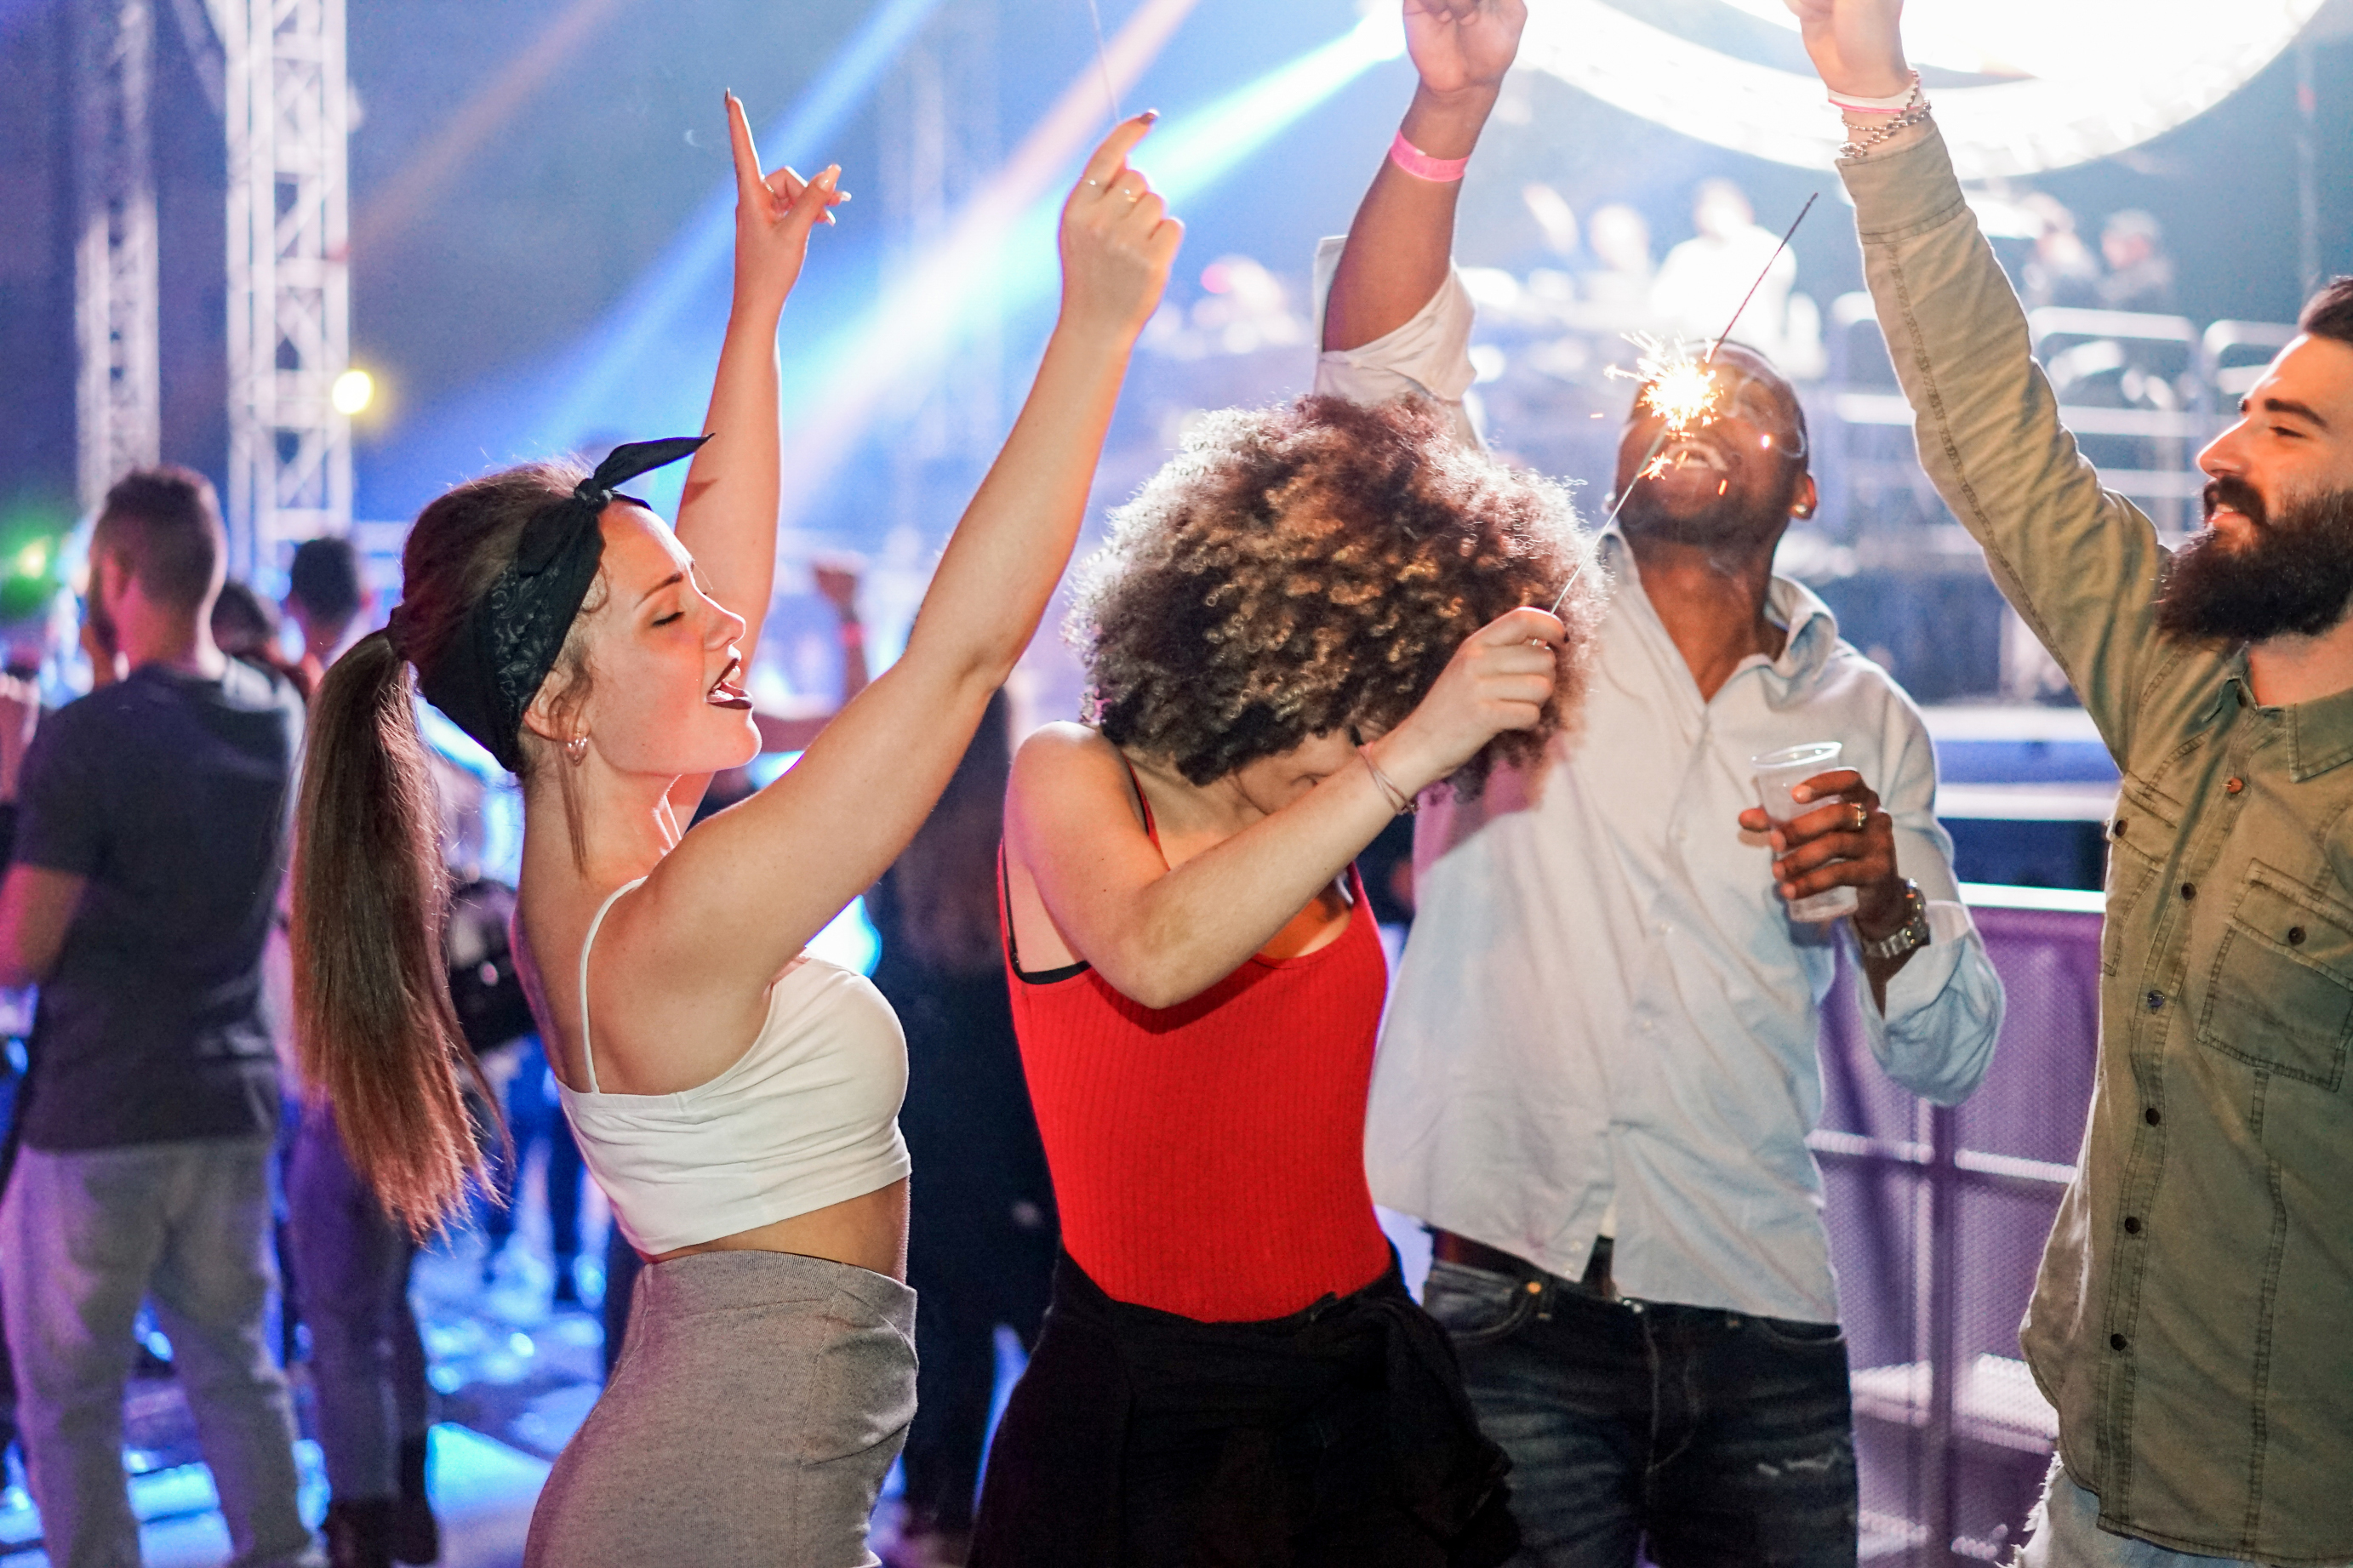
[329, 599]
[1616, 295]
[2140, 272]
[2062, 269]
[981, 1233]
[151, 842]
[371, 1402]
[1703, 280]
[245, 626]
[534, 1123]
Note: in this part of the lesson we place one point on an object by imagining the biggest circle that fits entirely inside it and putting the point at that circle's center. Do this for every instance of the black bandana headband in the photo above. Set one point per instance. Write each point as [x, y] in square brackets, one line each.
[501, 652]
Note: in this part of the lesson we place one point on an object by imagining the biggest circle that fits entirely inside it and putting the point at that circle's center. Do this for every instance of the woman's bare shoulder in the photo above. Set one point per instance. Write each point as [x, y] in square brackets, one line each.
[1063, 756]
[1065, 774]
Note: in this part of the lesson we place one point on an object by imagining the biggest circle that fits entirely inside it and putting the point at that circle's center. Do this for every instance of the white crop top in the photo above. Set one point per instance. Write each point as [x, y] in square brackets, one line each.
[808, 1116]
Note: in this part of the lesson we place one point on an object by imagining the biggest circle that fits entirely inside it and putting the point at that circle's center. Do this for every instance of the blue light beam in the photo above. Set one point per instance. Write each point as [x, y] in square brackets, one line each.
[616, 353]
[840, 390]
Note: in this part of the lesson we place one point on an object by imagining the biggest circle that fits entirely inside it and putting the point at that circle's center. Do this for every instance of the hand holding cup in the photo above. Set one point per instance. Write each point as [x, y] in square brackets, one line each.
[1833, 849]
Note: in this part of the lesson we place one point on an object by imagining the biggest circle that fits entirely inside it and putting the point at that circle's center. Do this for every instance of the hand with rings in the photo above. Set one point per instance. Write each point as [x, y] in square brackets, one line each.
[1847, 842]
[1115, 254]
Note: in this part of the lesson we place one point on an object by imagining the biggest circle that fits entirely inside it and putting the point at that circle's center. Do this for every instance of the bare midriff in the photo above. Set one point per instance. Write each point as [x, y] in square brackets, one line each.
[868, 1232]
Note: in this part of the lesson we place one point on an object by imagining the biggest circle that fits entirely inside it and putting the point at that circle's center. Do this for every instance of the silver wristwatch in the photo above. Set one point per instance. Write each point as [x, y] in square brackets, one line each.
[1914, 933]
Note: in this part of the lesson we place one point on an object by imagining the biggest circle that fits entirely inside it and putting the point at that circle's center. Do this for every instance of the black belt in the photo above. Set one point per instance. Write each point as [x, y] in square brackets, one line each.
[1449, 1246]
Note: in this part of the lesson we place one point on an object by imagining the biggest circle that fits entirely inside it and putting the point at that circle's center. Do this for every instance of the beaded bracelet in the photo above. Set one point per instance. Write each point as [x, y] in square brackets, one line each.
[1915, 115]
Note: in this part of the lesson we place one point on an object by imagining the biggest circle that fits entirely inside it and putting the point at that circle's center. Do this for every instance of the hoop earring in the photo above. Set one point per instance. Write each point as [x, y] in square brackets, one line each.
[576, 750]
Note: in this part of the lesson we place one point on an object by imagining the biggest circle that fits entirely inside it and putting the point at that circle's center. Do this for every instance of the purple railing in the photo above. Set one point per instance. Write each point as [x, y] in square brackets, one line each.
[1938, 1218]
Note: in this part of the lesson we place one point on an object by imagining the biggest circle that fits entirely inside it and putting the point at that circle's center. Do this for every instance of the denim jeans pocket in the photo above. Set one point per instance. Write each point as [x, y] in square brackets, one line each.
[1474, 1306]
[1791, 1334]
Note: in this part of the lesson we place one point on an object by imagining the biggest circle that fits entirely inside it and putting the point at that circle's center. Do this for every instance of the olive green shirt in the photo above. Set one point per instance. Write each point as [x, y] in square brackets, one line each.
[2193, 1321]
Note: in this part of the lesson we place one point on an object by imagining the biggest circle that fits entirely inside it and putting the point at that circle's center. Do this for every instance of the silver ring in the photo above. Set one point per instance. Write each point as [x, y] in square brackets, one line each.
[1861, 817]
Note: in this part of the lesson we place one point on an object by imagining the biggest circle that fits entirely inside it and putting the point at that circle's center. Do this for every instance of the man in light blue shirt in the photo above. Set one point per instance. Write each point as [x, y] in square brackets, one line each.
[1599, 1071]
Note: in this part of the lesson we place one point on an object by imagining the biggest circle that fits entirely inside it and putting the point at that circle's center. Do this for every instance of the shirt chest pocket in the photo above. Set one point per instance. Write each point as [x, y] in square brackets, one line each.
[2280, 994]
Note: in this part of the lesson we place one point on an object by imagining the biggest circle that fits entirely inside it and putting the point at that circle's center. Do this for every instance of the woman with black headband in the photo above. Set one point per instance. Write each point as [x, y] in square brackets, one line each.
[735, 1098]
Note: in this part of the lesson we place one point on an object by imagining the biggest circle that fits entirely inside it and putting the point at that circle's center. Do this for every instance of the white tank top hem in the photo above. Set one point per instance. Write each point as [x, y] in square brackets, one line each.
[807, 1117]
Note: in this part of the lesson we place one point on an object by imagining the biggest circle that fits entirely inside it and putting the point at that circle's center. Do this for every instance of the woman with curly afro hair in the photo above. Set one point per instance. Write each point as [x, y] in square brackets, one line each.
[1311, 615]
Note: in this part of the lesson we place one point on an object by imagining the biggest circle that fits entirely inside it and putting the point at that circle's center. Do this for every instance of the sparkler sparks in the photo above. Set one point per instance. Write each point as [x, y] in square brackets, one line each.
[1681, 390]
[1676, 387]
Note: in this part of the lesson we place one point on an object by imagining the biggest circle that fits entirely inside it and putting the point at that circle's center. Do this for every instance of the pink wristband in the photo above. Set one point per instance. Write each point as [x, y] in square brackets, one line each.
[1422, 166]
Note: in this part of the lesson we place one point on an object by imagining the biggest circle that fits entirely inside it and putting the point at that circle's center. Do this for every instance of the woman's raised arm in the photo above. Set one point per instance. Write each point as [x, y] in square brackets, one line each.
[744, 891]
[727, 517]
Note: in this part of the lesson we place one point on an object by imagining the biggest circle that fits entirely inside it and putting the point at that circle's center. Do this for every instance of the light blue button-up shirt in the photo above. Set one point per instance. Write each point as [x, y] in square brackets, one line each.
[1604, 1009]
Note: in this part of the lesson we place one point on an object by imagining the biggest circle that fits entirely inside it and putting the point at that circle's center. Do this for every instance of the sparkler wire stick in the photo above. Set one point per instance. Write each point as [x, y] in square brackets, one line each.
[1656, 442]
[1661, 438]
[1788, 234]
[1102, 62]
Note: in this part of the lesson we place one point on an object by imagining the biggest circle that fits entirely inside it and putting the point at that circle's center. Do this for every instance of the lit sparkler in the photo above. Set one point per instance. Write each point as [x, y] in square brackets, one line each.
[1680, 389]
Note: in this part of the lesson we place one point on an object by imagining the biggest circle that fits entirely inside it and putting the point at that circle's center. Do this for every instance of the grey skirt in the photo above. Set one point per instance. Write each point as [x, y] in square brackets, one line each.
[759, 1402]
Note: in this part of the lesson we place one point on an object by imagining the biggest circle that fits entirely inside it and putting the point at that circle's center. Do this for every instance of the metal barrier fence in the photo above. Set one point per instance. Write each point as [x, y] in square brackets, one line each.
[2142, 393]
[1938, 1218]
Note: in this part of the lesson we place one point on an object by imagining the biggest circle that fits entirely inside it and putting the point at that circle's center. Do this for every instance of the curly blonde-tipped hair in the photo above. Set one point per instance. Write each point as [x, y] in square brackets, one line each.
[1311, 567]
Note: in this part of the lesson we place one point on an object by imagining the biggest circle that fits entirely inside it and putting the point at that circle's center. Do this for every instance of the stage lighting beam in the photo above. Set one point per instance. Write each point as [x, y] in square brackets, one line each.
[920, 318]
[654, 308]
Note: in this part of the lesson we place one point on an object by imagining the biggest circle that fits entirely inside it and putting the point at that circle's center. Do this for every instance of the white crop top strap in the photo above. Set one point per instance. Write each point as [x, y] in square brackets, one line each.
[807, 1117]
[588, 1056]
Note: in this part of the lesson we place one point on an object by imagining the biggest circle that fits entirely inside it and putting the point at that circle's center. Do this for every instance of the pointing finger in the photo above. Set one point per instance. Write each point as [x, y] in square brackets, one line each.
[750, 189]
[1111, 155]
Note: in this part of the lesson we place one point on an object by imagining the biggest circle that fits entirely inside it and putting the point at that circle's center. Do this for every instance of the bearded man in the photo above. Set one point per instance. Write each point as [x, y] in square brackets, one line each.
[2192, 1322]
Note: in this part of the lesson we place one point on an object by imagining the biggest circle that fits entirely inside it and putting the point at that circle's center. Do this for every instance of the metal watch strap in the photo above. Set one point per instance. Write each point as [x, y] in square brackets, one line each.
[1912, 935]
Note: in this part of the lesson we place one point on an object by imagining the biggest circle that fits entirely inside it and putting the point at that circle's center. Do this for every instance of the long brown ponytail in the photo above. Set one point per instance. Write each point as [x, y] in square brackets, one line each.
[376, 1035]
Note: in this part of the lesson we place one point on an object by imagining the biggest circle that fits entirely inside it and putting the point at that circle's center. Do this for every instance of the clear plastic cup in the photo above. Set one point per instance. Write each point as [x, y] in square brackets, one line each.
[1779, 773]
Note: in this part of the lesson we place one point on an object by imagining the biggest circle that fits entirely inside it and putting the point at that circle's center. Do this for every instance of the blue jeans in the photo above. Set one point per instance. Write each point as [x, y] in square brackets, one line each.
[367, 1359]
[2065, 1533]
[1709, 1439]
[84, 1236]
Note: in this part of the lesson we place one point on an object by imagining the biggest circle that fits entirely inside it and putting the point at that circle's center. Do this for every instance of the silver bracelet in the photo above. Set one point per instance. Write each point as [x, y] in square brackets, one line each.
[1913, 112]
[1400, 802]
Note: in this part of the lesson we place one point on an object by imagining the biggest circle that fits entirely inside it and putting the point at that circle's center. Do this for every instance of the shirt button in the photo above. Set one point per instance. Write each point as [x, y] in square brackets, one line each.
[2152, 1116]
[2188, 890]
[2132, 1226]
[2296, 936]
[2116, 830]
[2118, 1341]
[2233, 787]
[2156, 1000]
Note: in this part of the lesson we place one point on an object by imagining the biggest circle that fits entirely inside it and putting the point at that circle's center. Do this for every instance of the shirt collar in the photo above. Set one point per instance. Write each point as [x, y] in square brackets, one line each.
[1813, 635]
[2320, 731]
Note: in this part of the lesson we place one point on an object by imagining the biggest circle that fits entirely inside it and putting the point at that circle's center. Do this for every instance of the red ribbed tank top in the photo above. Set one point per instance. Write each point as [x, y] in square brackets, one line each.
[1209, 1159]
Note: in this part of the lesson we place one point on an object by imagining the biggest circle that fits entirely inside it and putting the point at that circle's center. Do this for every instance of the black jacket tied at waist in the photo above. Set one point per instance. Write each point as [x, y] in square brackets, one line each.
[1339, 1433]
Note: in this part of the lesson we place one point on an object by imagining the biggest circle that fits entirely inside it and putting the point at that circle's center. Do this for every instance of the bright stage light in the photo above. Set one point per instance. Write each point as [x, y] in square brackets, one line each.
[352, 392]
[2087, 78]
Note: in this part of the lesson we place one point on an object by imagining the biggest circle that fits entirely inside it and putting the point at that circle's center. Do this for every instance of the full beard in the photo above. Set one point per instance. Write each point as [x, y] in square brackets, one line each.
[2291, 577]
[1734, 520]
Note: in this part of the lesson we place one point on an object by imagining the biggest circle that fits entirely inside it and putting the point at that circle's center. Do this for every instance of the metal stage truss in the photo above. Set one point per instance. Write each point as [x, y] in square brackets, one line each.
[118, 394]
[286, 104]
